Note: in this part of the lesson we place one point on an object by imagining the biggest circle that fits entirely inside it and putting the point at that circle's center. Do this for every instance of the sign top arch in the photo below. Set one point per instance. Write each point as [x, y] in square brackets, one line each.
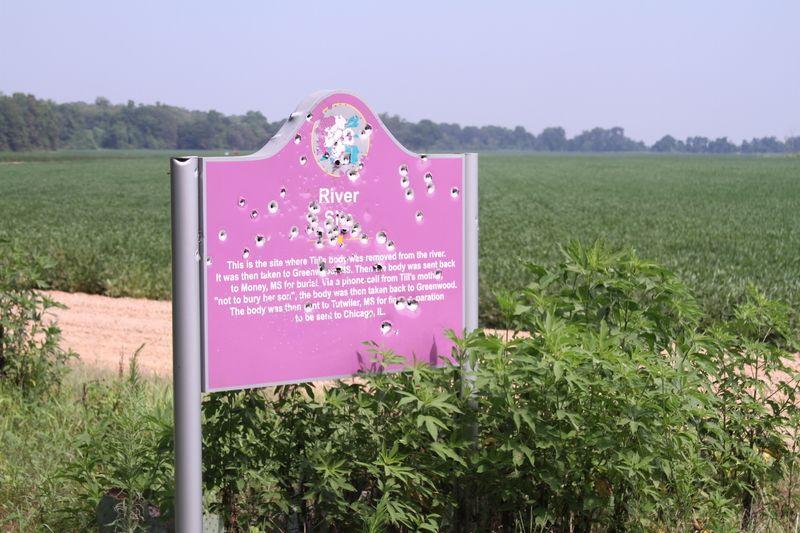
[323, 104]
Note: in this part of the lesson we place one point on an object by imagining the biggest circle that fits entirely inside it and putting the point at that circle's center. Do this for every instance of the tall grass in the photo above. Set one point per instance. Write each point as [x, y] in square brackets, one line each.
[60, 454]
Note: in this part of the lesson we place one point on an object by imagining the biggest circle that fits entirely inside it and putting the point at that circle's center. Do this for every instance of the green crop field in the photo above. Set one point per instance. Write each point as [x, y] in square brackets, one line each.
[102, 218]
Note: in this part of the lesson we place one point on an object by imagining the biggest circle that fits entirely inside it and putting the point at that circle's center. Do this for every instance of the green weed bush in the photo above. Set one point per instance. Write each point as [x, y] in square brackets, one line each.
[124, 449]
[381, 452]
[618, 407]
[30, 356]
[619, 411]
[97, 433]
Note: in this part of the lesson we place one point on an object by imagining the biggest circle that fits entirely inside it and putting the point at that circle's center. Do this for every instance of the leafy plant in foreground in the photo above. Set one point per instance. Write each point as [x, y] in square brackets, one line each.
[755, 387]
[124, 452]
[621, 410]
[30, 356]
[615, 408]
[382, 451]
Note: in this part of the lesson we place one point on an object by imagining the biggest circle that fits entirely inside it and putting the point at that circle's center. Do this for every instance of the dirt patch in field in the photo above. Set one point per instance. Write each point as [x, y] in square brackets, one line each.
[105, 331]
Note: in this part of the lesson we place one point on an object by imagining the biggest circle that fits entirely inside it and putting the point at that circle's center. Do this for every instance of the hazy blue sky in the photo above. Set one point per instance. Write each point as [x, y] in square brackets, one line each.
[683, 67]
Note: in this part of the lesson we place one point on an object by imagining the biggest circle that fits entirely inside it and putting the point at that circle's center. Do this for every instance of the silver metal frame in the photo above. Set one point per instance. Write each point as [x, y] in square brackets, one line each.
[186, 344]
[471, 241]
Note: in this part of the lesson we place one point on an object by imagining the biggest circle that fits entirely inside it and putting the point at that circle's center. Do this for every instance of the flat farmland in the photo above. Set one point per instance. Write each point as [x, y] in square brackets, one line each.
[100, 220]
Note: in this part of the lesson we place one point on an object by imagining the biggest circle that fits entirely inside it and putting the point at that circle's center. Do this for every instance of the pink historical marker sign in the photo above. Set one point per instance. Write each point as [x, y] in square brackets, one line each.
[330, 236]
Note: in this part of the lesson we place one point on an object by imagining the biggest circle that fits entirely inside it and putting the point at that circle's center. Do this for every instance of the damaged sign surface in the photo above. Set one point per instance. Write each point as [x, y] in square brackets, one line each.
[332, 236]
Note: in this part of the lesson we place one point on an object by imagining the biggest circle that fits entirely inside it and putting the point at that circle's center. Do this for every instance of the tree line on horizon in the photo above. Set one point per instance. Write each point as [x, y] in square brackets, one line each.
[29, 123]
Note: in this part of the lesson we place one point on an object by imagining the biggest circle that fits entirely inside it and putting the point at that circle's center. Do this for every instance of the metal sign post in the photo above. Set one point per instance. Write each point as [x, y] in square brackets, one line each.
[287, 260]
[186, 345]
[471, 242]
